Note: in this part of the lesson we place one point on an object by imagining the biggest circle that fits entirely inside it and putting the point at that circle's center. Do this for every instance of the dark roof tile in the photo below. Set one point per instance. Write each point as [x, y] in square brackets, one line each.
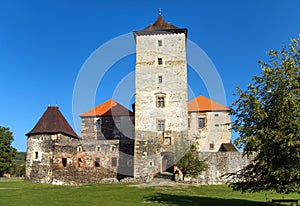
[52, 122]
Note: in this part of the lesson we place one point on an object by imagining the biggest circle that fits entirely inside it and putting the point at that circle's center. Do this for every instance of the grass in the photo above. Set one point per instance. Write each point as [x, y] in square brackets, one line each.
[27, 194]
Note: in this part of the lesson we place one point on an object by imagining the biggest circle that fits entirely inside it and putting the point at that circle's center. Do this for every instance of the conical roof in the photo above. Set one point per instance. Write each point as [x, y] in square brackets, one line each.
[160, 24]
[53, 122]
[108, 108]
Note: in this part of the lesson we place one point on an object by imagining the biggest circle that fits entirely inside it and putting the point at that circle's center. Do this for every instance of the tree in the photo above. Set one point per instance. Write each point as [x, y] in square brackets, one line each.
[190, 163]
[268, 122]
[7, 152]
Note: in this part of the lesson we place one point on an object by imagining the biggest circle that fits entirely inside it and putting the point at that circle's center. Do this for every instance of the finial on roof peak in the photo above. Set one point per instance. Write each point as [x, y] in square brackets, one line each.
[159, 12]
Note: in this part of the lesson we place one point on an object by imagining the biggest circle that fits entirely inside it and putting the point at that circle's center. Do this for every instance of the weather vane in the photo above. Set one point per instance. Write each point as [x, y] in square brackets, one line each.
[159, 12]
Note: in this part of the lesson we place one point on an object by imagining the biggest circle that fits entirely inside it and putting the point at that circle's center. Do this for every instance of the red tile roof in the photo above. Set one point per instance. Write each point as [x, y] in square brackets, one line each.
[53, 122]
[202, 103]
[108, 108]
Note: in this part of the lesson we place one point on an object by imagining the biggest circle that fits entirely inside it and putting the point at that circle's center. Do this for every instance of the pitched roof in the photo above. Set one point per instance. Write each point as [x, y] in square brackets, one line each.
[227, 147]
[108, 108]
[202, 103]
[160, 24]
[52, 122]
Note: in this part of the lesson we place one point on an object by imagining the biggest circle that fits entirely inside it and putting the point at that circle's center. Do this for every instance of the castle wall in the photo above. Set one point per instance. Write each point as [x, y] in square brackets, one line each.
[220, 163]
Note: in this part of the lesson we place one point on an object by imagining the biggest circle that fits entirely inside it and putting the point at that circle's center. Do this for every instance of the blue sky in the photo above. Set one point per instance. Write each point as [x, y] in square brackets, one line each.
[43, 45]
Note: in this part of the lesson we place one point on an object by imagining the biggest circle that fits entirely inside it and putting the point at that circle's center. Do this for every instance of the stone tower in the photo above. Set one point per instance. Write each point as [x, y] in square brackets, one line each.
[161, 107]
[50, 147]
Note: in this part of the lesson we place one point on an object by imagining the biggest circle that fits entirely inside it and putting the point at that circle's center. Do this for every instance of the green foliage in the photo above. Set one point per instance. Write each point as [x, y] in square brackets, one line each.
[7, 152]
[190, 164]
[268, 122]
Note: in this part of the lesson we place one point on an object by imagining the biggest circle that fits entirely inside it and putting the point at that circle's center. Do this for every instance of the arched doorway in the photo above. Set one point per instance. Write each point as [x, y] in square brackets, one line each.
[167, 162]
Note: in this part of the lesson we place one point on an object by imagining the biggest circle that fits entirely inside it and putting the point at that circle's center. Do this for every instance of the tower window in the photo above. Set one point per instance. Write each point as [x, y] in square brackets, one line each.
[97, 162]
[167, 140]
[160, 125]
[64, 162]
[160, 101]
[211, 146]
[160, 79]
[159, 43]
[159, 61]
[36, 155]
[201, 122]
[98, 149]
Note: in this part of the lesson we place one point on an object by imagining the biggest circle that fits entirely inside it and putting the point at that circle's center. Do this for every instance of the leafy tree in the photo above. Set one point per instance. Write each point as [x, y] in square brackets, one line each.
[190, 163]
[268, 122]
[7, 152]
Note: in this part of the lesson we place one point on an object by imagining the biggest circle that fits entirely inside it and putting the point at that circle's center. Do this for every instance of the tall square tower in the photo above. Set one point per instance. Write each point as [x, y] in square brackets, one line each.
[161, 106]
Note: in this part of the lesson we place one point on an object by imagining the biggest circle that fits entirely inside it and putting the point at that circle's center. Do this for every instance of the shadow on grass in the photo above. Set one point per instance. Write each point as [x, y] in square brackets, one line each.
[181, 200]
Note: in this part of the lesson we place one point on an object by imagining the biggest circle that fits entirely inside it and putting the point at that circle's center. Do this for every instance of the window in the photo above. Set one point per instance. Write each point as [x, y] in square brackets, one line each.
[50, 172]
[98, 124]
[159, 43]
[217, 125]
[189, 122]
[160, 79]
[216, 115]
[211, 146]
[160, 125]
[80, 162]
[98, 149]
[36, 155]
[159, 61]
[117, 123]
[64, 162]
[79, 149]
[113, 148]
[160, 101]
[151, 163]
[113, 161]
[201, 122]
[167, 141]
[97, 162]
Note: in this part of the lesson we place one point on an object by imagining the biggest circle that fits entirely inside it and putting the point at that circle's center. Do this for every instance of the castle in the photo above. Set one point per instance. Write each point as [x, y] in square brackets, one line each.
[116, 142]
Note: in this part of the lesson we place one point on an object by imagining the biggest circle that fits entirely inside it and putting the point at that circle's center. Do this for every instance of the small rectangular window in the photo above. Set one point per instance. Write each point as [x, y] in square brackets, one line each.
[98, 149]
[64, 162]
[159, 43]
[159, 61]
[211, 146]
[36, 155]
[98, 124]
[161, 125]
[160, 79]
[117, 123]
[113, 161]
[97, 162]
[167, 141]
[201, 122]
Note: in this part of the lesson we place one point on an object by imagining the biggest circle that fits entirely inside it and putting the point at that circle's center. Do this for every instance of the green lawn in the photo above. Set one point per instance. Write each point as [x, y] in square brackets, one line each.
[24, 193]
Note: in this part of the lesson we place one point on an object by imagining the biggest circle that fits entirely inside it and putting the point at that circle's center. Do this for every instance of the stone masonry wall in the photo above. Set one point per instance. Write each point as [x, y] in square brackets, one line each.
[167, 79]
[220, 163]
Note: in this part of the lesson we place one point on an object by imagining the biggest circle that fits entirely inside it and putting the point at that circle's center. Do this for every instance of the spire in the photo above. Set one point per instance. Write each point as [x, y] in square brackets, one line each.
[159, 12]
